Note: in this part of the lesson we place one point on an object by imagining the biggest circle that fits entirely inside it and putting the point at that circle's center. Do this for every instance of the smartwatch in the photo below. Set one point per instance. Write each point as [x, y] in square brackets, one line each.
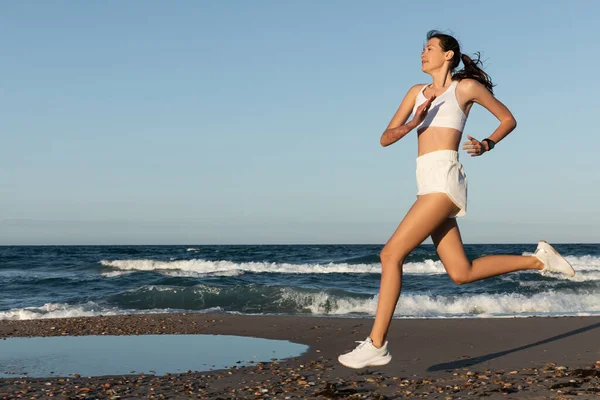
[490, 143]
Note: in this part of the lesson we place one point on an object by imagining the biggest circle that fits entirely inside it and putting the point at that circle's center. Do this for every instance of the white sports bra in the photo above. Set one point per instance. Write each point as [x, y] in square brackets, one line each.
[444, 111]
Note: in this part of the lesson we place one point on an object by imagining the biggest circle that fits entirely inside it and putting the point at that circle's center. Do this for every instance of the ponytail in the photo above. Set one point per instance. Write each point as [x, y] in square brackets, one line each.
[473, 70]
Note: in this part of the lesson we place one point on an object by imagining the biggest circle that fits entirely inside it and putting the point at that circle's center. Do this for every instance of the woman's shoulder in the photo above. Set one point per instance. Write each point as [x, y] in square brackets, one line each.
[416, 89]
[468, 84]
[469, 89]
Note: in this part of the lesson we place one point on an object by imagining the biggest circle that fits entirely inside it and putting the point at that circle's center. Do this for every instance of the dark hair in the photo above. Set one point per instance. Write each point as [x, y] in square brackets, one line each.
[472, 68]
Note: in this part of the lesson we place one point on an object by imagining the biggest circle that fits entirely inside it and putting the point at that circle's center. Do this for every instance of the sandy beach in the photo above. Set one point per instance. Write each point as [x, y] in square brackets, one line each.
[437, 358]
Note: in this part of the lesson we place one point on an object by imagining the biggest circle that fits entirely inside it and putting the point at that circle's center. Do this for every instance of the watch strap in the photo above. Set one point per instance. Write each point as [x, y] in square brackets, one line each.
[490, 143]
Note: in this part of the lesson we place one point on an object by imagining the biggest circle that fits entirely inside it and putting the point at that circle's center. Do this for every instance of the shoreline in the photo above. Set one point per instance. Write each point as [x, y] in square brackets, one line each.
[527, 357]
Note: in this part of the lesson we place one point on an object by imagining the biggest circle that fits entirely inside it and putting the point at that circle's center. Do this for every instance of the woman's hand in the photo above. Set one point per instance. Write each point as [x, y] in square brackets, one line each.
[474, 147]
[422, 110]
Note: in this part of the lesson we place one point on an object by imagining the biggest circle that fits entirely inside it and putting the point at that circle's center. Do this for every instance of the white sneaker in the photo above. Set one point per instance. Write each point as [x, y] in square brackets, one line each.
[366, 355]
[553, 261]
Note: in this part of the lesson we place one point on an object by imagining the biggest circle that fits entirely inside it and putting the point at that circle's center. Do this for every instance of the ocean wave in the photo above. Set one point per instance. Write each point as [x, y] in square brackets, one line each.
[114, 274]
[584, 263]
[580, 263]
[259, 299]
[89, 309]
[215, 267]
[587, 267]
[264, 299]
[581, 276]
[546, 303]
[44, 277]
[193, 274]
[57, 310]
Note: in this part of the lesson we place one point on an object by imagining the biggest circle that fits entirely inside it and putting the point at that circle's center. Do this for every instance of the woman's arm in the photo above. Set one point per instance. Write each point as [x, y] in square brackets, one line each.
[477, 93]
[398, 128]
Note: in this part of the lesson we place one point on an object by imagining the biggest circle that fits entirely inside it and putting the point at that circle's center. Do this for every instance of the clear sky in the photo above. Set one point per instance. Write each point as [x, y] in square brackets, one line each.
[209, 122]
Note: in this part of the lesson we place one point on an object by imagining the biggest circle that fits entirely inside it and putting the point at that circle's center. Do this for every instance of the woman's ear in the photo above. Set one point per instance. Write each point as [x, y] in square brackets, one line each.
[449, 54]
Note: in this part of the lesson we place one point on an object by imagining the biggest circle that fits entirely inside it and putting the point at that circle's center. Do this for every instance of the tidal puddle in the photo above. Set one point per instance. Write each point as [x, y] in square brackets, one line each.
[149, 354]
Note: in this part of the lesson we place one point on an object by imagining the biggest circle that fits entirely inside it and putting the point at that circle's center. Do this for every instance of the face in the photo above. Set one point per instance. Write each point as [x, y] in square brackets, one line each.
[433, 57]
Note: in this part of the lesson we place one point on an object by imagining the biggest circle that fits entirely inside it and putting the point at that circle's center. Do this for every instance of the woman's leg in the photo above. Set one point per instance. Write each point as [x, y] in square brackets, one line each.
[449, 246]
[424, 217]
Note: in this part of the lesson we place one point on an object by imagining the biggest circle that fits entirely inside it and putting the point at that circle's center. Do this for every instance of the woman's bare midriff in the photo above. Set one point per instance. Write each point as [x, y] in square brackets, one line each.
[436, 138]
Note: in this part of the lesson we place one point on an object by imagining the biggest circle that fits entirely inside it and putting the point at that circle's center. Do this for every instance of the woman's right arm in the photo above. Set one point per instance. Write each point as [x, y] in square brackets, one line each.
[398, 128]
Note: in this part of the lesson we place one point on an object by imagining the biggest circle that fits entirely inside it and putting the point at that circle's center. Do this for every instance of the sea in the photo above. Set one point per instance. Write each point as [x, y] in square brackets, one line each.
[314, 280]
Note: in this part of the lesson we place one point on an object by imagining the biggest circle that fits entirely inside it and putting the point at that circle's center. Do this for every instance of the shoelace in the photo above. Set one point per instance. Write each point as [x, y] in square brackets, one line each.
[362, 344]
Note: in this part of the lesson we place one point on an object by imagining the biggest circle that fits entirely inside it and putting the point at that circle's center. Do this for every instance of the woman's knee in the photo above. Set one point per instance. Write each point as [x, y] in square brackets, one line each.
[391, 257]
[460, 274]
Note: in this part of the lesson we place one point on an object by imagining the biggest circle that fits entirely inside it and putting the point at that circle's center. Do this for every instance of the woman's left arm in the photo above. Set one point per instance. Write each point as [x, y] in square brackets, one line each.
[477, 93]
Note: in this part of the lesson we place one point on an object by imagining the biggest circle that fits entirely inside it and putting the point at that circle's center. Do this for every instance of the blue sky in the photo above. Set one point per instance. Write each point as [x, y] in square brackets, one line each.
[201, 122]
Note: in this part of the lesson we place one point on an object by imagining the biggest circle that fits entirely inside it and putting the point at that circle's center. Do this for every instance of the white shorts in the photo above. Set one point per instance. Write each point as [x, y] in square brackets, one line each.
[441, 172]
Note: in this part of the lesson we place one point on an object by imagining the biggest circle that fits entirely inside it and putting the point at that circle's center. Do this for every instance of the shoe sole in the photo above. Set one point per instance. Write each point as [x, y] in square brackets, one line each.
[379, 361]
[547, 245]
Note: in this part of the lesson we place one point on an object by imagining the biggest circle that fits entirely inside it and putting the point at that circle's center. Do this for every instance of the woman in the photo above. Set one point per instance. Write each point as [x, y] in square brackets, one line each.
[440, 111]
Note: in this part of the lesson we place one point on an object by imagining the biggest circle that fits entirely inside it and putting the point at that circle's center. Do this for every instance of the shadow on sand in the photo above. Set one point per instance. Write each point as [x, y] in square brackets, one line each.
[487, 357]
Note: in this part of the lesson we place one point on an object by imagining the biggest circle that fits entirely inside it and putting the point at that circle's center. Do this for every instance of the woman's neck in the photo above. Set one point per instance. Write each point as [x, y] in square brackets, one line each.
[441, 79]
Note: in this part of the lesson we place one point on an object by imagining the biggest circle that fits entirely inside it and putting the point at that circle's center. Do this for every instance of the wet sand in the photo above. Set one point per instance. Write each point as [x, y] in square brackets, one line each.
[536, 358]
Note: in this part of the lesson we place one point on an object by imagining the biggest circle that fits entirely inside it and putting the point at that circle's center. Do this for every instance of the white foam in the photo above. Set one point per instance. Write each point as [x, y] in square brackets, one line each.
[114, 274]
[204, 267]
[430, 267]
[558, 279]
[587, 267]
[193, 274]
[584, 263]
[90, 309]
[546, 303]
[583, 276]
[482, 305]
[324, 303]
[580, 263]
[57, 310]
